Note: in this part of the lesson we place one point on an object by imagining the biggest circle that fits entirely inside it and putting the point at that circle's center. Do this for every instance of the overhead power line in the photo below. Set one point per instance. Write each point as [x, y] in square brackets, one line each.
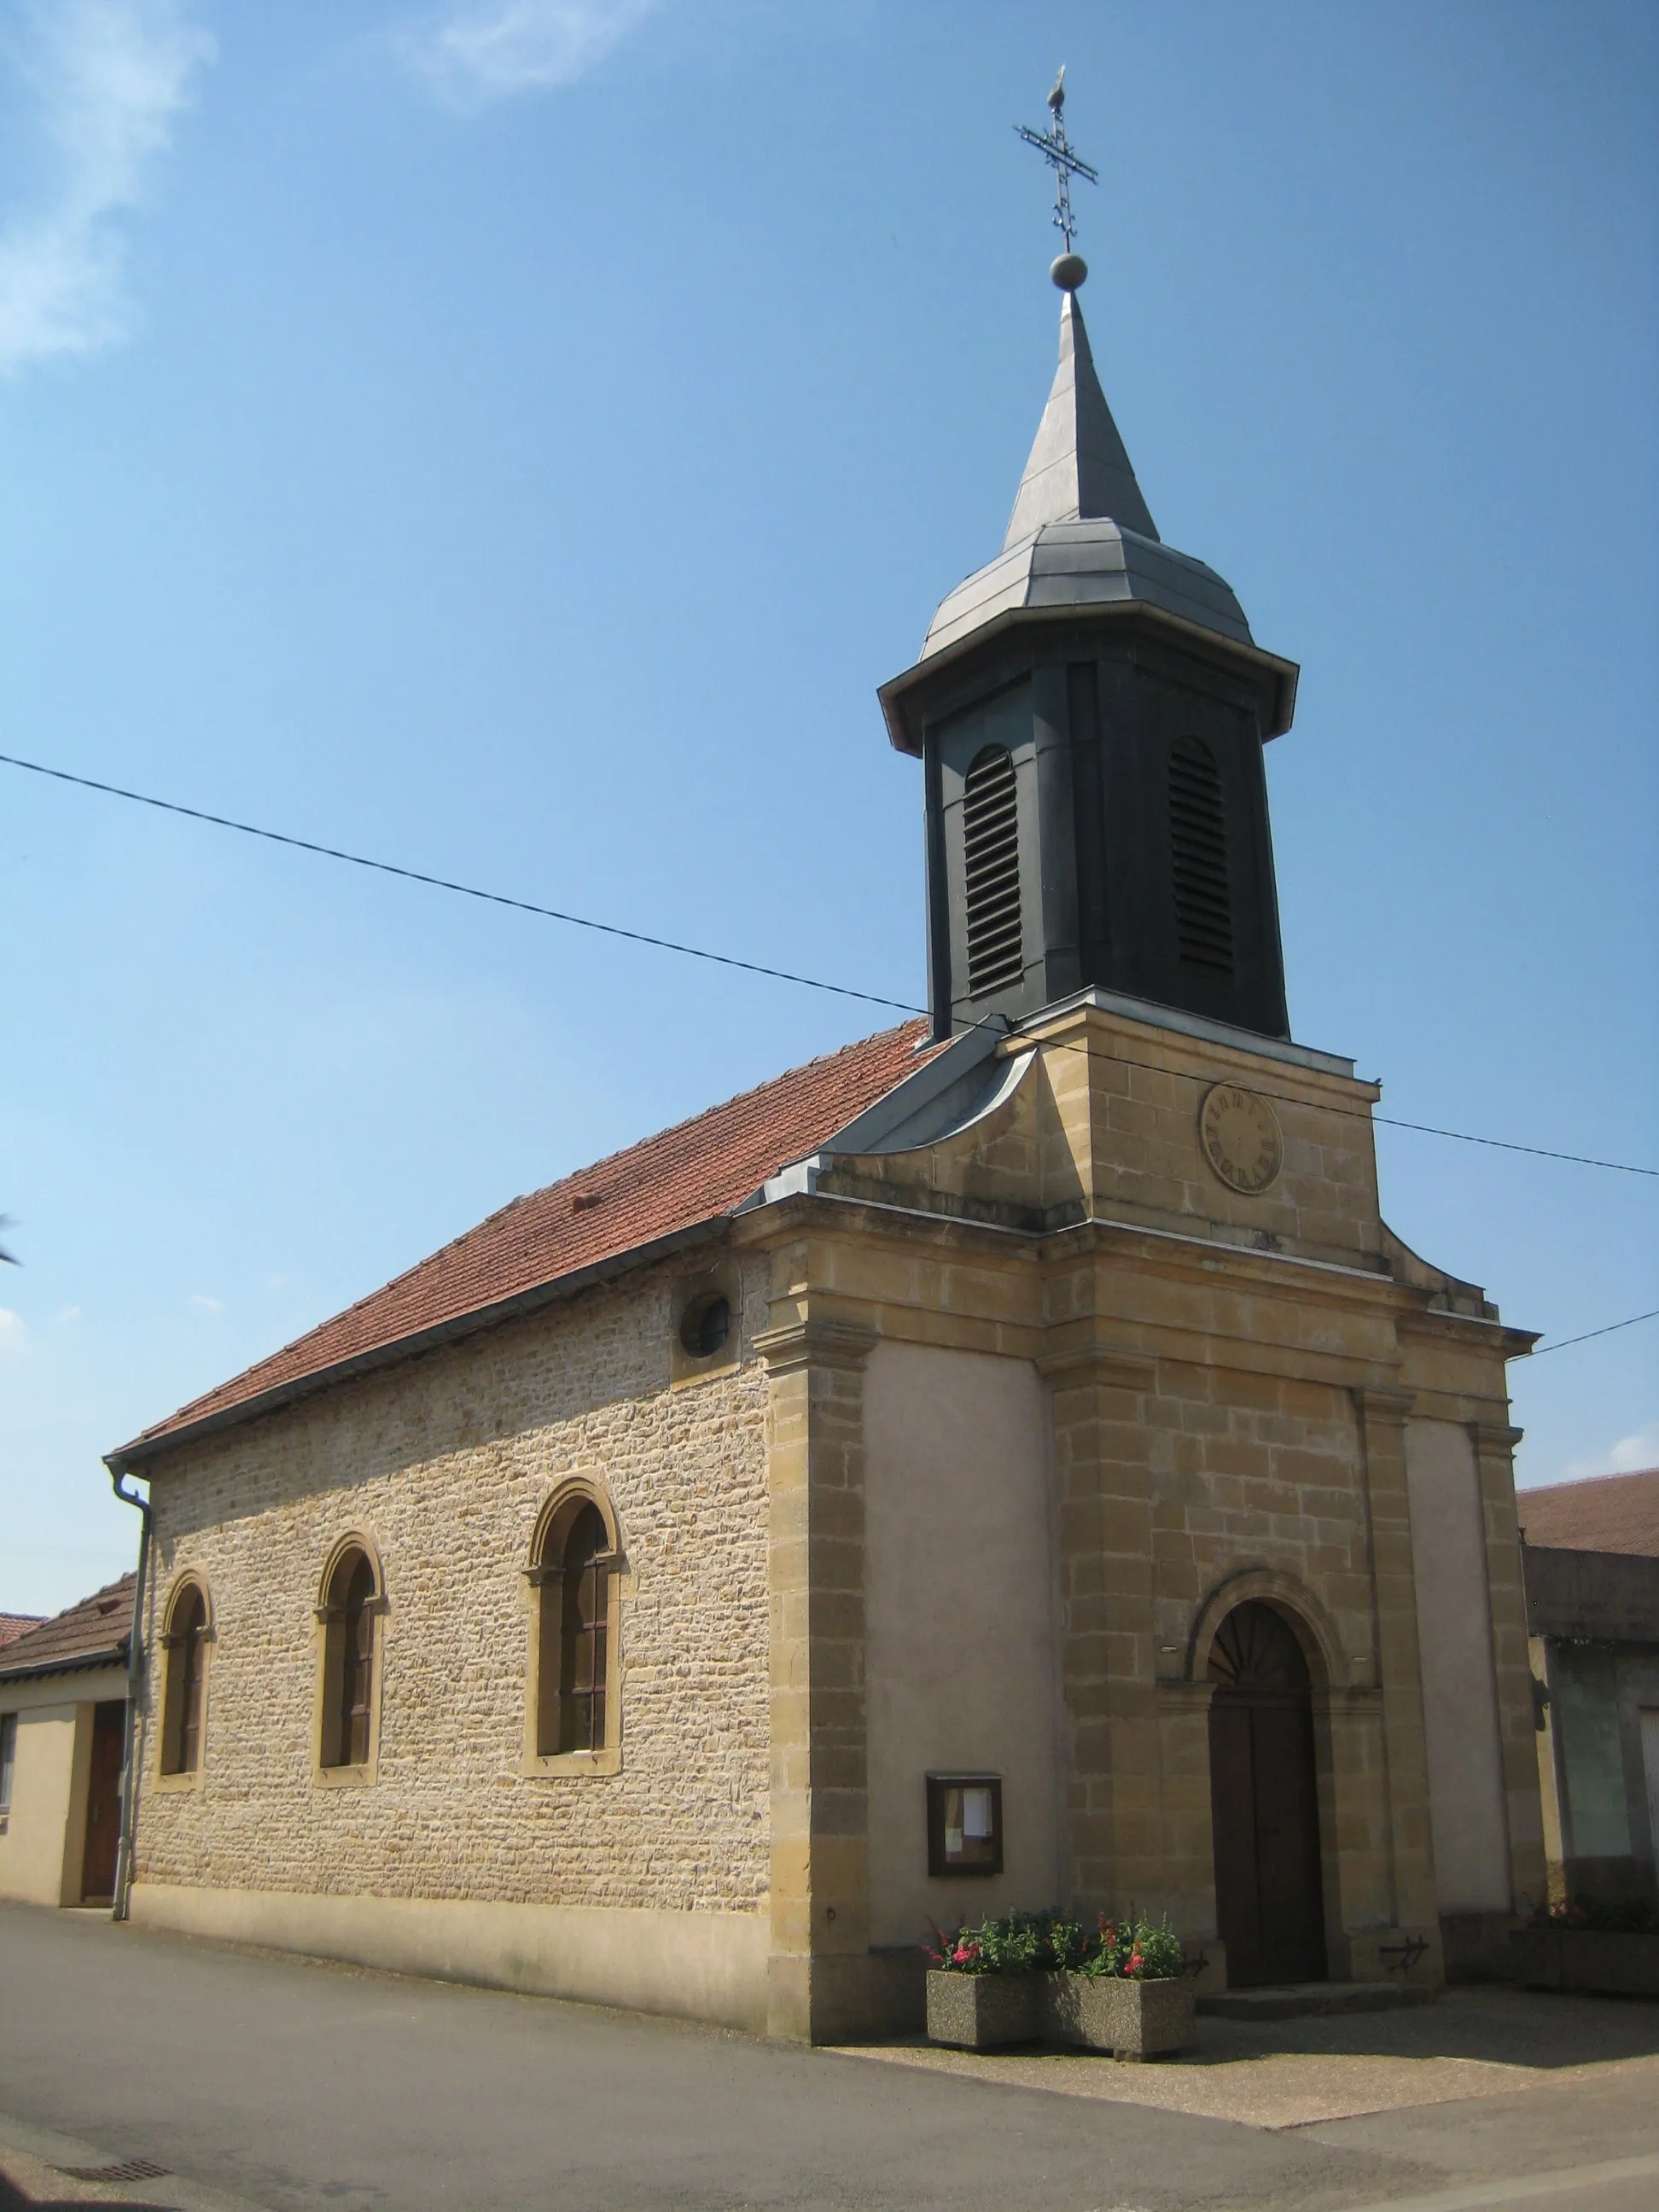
[466, 890]
[1612, 1326]
[673, 945]
[1502, 1145]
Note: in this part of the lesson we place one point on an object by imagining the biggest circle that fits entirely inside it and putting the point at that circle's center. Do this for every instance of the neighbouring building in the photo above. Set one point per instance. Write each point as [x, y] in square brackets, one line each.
[1009, 1462]
[1592, 1558]
[63, 1719]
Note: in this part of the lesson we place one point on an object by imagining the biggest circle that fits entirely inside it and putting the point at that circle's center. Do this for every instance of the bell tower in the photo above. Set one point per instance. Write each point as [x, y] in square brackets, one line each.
[1090, 709]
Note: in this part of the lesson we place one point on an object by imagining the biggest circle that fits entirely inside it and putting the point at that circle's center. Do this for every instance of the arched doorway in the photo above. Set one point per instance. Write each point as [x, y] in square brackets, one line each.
[1264, 1801]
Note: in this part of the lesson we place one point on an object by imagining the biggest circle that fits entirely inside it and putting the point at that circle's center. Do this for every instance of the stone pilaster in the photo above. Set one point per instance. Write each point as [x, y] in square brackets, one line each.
[819, 1971]
[1494, 1448]
[1107, 1643]
[1382, 1415]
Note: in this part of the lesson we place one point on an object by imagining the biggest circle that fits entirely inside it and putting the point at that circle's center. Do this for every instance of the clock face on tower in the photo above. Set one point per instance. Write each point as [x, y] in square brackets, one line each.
[1239, 1132]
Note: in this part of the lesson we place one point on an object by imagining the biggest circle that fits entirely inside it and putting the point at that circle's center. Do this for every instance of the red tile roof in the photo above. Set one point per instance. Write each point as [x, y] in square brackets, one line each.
[13, 1625]
[1609, 1513]
[93, 1633]
[687, 1175]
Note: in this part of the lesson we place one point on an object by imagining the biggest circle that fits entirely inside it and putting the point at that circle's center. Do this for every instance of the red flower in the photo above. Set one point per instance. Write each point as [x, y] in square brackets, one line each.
[1134, 1965]
[964, 1953]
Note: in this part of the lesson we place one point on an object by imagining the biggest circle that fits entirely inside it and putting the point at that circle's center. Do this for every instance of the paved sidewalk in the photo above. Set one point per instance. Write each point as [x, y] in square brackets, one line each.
[256, 2083]
[1292, 2074]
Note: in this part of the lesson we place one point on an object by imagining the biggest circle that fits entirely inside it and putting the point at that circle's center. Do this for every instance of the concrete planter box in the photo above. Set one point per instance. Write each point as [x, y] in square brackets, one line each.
[983, 2011]
[1586, 1961]
[1132, 2020]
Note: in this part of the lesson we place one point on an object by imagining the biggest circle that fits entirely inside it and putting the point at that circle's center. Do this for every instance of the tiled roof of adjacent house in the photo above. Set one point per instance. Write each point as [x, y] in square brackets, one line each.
[690, 1175]
[1610, 1513]
[13, 1625]
[93, 1633]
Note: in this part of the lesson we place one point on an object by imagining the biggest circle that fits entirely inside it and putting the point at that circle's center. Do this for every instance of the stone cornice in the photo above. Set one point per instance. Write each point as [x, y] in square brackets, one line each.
[1076, 1353]
[1432, 1324]
[1385, 1406]
[1495, 1436]
[812, 1342]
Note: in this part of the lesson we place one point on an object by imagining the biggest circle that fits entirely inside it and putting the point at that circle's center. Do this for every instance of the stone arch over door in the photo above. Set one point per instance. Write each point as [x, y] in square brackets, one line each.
[1264, 1797]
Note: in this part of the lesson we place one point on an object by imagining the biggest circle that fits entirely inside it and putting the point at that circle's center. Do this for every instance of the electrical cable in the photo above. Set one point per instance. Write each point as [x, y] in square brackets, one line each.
[719, 959]
[1540, 1350]
[466, 890]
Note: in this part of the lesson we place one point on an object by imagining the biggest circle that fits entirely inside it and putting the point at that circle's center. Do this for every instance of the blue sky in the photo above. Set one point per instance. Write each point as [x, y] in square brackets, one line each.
[515, 439]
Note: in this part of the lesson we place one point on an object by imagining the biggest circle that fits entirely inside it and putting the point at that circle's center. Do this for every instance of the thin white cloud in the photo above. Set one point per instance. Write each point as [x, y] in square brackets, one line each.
[489, 50]
[69, 1314]
[1634, 1453]
[203, 1304]
[107, 80]
[1630, 1455]
[13, 1333]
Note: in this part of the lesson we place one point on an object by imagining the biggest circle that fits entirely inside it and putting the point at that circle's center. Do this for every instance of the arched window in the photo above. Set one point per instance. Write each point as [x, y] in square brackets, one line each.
[185, 1640]
[349, 1612]
[990, 834]
[1197, 859]
[573, 1571]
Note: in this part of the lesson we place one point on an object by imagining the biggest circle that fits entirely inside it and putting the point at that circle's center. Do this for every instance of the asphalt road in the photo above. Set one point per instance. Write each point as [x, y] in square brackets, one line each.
[266, 2081]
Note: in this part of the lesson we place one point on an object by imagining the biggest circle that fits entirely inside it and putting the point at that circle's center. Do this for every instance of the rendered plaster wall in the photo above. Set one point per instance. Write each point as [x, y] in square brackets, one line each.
[445, 1463]
[1460, 1697]
[961, 1625]
[44, 1834]
[711, 1965]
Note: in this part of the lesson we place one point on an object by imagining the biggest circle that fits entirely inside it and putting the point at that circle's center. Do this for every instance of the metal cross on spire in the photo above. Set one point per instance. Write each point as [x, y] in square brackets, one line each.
[1052, 145]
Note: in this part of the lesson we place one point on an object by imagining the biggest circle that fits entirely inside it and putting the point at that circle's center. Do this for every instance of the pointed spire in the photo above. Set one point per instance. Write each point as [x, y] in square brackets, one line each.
[1078, 468]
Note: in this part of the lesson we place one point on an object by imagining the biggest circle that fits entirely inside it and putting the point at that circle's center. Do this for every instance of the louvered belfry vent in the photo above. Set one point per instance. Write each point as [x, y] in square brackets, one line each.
[990, 829]
[1197, 859]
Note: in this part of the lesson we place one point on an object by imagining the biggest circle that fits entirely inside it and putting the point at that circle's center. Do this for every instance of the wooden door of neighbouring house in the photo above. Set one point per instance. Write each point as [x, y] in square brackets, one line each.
[103, 1803]
[1264, 1802]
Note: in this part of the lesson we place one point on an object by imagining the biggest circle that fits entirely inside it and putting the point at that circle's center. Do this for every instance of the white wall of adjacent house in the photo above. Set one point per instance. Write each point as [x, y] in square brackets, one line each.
[1460, 1690]
[961, 1613]
[43, 1831]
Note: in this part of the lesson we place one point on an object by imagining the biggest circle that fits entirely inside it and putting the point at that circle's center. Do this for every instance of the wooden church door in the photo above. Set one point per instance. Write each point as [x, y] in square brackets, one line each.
[1264, 1802]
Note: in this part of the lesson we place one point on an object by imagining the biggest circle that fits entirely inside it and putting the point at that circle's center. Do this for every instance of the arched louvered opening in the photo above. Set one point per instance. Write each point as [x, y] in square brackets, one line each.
[990, 828]
[1197, 859]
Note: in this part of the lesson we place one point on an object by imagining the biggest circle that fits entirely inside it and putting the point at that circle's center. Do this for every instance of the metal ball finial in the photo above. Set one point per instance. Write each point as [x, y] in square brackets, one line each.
[1068, 270]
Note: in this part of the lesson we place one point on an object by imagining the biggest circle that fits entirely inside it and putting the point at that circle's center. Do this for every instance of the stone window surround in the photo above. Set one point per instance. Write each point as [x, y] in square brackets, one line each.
[192, 1579]
[552, 1523]
[364, 1773]
[685, 1368]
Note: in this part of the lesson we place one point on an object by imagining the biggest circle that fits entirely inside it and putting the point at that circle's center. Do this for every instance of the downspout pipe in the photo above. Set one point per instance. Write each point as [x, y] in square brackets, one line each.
[135, 1684]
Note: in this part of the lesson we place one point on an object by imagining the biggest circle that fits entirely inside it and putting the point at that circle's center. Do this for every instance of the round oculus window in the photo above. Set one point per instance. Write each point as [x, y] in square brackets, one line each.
[705, 1326]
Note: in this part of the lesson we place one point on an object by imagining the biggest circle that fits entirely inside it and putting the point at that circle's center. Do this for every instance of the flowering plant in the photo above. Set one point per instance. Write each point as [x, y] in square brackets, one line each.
[1132, 1948]
[1135, 1949]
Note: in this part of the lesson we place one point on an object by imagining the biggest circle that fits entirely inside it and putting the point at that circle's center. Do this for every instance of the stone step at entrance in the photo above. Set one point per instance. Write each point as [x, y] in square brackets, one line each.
[1306, 2000]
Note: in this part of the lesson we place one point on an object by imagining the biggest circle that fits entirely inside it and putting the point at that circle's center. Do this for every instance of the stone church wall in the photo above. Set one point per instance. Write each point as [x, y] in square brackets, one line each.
[445, 1463]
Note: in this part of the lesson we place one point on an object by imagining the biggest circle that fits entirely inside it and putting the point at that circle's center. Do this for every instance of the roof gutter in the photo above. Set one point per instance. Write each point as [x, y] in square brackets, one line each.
[135, 1684]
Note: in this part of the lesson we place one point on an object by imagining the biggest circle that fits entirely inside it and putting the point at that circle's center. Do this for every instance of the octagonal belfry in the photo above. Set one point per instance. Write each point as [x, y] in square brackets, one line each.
[1090, 710]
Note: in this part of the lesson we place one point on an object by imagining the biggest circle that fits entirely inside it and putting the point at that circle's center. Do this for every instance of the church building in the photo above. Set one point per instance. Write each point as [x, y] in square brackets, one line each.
[1009, 1463]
